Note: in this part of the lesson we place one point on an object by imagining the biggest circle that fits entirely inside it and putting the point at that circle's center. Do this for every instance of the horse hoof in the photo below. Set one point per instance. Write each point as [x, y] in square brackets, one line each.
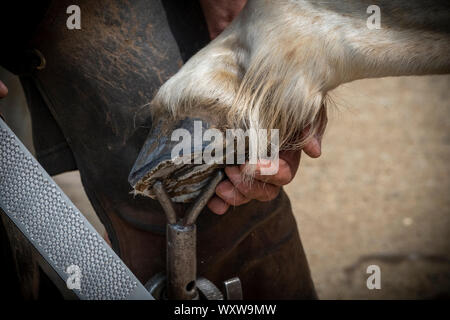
[181, 176]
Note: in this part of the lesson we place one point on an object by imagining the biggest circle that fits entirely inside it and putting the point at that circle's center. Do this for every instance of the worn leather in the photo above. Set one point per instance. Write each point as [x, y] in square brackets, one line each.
[96, 85]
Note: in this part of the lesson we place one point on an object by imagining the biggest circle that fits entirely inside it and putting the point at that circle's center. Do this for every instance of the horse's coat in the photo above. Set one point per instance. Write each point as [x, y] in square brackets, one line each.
[275, 64]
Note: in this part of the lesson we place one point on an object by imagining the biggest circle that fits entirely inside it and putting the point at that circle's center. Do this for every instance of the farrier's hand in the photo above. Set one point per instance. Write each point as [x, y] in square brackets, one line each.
[234, 191]
[3, 90]
[220, 13]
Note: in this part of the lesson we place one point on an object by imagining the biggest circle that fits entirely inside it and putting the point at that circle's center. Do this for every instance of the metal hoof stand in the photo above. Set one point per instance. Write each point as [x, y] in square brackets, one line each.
[181, 282]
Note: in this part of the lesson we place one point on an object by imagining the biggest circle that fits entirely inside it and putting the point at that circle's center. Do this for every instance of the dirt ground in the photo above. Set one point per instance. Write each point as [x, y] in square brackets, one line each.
[380, 191]
[379, 195]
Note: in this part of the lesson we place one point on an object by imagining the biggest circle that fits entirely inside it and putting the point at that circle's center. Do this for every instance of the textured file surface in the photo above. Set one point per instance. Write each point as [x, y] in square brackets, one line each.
[61, 234]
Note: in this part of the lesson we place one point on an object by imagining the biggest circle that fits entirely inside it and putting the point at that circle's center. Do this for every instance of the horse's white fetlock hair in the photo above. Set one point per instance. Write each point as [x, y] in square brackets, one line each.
[275, 64]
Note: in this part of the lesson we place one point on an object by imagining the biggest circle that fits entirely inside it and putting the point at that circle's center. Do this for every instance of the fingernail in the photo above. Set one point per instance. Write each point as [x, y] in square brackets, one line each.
[317, 147]
[227, 192]
[3, 89]
[224, 189]
[223, 207]
[219, 188]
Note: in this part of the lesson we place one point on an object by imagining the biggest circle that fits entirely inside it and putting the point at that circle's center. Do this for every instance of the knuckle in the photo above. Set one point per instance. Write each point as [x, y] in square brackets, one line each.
[284, 175]
[245, 188]
[273, 194]
[269, 193]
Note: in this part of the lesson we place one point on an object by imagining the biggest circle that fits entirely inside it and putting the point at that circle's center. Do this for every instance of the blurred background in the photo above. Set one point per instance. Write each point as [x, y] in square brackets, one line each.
[378, 195]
